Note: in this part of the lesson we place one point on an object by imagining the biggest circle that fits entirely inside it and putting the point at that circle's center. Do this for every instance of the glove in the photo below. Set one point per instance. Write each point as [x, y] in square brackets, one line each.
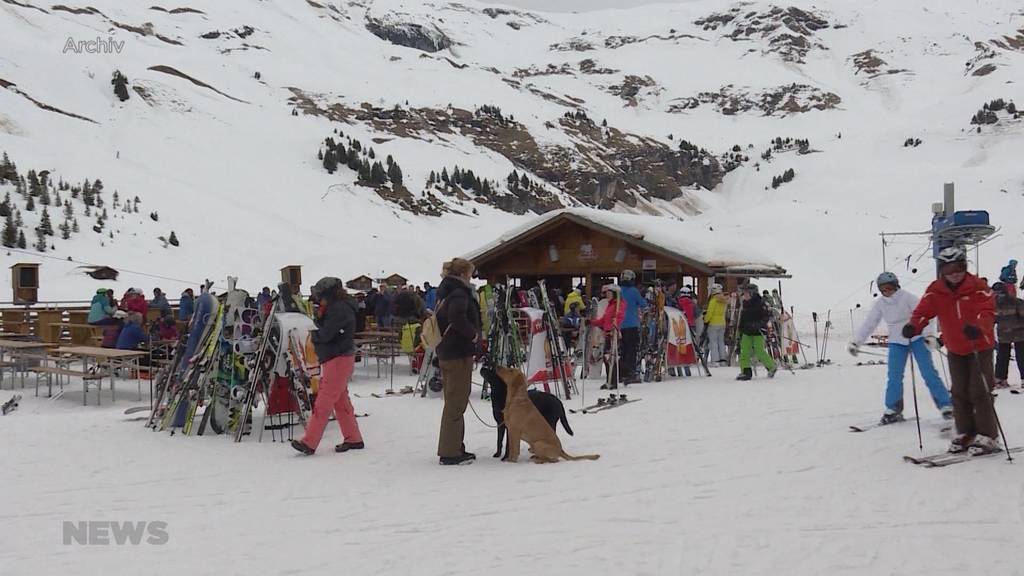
[853, 348]
[909, 331]
[933, 343]
[972, 332]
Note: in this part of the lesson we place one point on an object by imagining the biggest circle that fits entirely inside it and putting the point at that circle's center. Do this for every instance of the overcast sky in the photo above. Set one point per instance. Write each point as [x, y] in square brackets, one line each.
[576, 5]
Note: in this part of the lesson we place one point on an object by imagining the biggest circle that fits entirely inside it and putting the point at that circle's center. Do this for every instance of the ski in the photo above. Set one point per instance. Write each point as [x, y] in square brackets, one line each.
[11, 404]
[945, 458]
[135, 409]
[943, 425]
[616, 404]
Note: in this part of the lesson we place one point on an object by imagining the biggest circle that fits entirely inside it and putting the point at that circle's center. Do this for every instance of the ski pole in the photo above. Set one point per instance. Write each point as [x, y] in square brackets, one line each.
[917, 414]
[988, 394]
[817, 351]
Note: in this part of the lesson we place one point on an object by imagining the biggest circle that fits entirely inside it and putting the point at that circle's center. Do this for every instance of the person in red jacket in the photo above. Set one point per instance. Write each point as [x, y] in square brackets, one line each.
[609, 322]
[965, 307]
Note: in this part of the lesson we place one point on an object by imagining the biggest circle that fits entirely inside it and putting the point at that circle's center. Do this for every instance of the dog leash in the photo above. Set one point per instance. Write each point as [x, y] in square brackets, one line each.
[479, 418]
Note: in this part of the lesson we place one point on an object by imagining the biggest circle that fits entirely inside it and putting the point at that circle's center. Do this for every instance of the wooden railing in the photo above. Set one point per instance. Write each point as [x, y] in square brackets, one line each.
[57, 322]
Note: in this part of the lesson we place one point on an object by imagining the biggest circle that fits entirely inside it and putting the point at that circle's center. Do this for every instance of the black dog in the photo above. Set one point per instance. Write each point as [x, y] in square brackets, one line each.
[549, 406]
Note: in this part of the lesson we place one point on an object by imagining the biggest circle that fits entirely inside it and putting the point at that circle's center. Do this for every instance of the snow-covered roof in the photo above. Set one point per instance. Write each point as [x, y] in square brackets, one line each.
[717, 251]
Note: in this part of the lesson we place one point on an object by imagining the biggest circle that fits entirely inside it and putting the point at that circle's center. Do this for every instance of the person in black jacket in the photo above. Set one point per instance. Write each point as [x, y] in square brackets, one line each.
[335, 349]
[754, 318]
[459, 320]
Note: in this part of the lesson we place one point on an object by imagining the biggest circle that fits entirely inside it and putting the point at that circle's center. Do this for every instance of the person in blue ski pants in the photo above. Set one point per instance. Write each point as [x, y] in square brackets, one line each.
[894, 308]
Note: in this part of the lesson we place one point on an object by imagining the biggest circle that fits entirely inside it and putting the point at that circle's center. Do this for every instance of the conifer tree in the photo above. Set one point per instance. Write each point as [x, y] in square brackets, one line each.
[41, 244]
[10, 232]
[395, 174]
[21, 240]
[330, 162]
[30, 204]
[65, 230]
[44, 223]
[74, 225]
[120, 84]
[17, 218]
[68, 210]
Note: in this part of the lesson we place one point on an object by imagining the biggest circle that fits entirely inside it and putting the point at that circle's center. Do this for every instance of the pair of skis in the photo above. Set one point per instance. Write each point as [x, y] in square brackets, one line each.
[612, 401]
[10, 405]
[943, 459]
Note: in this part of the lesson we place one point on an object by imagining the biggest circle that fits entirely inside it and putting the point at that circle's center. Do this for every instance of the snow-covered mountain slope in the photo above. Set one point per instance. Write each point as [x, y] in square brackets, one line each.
[230, 161]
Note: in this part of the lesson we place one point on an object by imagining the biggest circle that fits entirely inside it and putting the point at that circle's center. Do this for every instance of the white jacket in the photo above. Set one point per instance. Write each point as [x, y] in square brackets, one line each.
[895, 310]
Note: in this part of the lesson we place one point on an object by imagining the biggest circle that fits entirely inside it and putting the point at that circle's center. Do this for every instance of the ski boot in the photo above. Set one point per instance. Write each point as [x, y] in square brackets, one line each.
[947, 412]
[959, 444]
[746, 374]
[983, 445]
[891, 417]
[1000, 384]
[771, 373]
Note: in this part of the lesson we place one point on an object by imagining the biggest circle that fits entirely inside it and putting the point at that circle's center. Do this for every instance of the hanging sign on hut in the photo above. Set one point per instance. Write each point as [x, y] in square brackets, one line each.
[587, 253]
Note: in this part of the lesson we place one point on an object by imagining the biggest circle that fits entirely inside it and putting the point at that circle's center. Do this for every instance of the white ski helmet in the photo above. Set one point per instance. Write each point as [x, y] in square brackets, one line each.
[716, 289]
[628, 275]
[686, 291]
[952, 254]
[887, 278]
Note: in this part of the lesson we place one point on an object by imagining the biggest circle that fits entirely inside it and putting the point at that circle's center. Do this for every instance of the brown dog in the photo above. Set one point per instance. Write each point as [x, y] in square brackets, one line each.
[525, 422]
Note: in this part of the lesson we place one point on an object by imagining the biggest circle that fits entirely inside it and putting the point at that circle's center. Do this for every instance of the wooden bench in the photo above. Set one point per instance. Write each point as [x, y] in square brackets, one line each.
[51, 371]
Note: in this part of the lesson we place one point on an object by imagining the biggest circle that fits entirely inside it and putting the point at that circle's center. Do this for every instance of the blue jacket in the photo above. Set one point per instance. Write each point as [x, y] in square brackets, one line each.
[185, 307]
[430, 298]
[99, 308]
[1009, 273]
[634, 303]
[131, 336]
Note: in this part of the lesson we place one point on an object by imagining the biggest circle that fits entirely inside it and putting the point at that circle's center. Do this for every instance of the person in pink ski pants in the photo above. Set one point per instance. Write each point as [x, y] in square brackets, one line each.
[335, 348]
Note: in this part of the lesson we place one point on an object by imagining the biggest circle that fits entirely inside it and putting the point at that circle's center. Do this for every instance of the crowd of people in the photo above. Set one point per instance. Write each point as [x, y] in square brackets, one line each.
[124, 321]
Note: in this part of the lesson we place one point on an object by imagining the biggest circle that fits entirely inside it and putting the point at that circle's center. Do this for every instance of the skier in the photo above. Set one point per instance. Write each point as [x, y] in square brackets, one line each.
[966, 310]
[263, 298]
[459, 321]
[574, 297]
[382, 308]
[134, 301]
[335, 348]
[633, 301]
[186, 305]
[132, 334]
[101, 311]
[753, 320]
[1010, 332]
[429, 296]
[206, 312]
[159, 301]
[714, 320]
[609, 322]
[688, 305]
[894, 308]
[1008, 276]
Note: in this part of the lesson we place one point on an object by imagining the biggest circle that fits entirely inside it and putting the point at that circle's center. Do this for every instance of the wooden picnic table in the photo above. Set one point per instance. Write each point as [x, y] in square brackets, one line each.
[23, 348]
[114, 358]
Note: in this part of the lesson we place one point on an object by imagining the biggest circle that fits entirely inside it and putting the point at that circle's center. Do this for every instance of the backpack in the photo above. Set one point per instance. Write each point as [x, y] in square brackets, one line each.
[431, 335]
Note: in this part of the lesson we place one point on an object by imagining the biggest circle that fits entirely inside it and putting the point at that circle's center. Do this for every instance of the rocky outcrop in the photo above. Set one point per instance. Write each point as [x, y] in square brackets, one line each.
[426, 37]
[778, 101]
[789, 32]
[602, 166]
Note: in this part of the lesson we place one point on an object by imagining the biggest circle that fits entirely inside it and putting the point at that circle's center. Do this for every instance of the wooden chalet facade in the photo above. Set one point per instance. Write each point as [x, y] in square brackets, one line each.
[570, 248]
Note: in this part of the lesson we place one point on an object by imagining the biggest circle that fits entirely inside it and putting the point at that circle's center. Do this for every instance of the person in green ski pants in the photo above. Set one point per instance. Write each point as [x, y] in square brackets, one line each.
[753, 320]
